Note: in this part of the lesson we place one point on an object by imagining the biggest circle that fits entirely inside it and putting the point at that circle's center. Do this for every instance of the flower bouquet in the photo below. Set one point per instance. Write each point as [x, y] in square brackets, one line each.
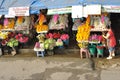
[83, 44]
[59, 43]
[22, 39]
[65, 38]
[13, 43]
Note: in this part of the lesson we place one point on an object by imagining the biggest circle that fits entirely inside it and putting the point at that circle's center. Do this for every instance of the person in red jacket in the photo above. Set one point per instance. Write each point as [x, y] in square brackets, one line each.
[111, 42]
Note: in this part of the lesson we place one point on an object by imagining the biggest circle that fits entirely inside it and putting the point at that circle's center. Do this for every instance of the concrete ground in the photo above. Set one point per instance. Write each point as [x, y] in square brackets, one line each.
[69, 66]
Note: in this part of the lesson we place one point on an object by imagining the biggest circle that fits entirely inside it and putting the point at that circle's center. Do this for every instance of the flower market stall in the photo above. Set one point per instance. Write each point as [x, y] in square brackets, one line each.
[89, 35]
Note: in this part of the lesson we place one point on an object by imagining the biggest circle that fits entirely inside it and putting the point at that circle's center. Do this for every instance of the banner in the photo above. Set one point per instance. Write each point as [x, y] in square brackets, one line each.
[113, 9]
[94, 9]
[79, 11]
[59, 11]
[19, 11]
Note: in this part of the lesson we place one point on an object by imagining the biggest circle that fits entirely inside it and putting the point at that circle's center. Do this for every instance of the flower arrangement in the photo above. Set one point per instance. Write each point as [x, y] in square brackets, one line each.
[53, 35]
[7, 38]
[64, 37]
[21, 38]
[83, 31]
[95, 38]
[100, 47]
[59, 42]
[55, 39]
[83, 44]
[49, 43]
[12, 43]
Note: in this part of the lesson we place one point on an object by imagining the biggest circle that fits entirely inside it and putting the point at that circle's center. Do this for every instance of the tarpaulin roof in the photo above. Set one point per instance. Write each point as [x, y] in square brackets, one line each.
[102, 2]
[14, 3]
[36, 6]
[60, 3]
[5, 5]
[42, 4]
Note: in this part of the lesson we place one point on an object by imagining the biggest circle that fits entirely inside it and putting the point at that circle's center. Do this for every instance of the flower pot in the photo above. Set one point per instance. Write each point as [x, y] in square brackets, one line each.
[100, 51]
[92, 50]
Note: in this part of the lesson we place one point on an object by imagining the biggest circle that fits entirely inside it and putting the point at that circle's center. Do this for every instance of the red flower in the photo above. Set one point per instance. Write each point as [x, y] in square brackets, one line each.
[100, 47]
[56, 35]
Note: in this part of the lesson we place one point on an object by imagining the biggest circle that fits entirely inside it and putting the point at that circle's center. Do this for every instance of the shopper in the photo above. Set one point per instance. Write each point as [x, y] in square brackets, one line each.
[111, 42]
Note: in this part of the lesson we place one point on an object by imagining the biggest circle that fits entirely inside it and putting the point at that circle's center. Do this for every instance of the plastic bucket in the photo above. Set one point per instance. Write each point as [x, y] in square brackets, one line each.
[99, 51]
[92, 50]
[66, 42]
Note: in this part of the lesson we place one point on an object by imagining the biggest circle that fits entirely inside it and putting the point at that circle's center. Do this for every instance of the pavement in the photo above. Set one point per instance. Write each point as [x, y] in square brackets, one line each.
[69, 66]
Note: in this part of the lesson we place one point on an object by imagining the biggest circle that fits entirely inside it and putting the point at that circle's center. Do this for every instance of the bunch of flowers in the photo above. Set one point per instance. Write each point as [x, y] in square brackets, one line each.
[95, 38]
[83, 44]
[100, 47]
[21, 38]
[49, 43]
[59, 42]
[6, 40]
[83, 31]
[53, 35]
[64, 37]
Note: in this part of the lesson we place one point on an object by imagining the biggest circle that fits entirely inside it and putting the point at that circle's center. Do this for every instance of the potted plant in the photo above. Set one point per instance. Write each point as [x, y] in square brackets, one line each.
[13, 43]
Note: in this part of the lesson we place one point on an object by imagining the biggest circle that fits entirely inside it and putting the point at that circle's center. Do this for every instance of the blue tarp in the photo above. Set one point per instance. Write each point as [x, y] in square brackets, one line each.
[36, 6]
[5, 5]
[60, 3]
[50, 4]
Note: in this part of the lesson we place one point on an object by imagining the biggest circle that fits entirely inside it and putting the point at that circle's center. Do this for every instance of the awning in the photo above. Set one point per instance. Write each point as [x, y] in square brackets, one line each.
[5, 5]
[36, 6]
[50, 4]
[102, 2]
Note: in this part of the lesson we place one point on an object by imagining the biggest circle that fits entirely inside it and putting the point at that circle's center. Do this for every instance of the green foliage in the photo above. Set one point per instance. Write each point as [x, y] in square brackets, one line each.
[12, 42]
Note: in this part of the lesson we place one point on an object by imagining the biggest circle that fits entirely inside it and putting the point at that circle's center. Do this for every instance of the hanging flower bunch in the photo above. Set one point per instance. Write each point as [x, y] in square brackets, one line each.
[40, 26]
[83, 33]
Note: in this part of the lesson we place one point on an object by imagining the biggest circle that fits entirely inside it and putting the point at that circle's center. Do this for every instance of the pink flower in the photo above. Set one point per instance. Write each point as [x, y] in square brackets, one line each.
[64, 37]
[55, 17]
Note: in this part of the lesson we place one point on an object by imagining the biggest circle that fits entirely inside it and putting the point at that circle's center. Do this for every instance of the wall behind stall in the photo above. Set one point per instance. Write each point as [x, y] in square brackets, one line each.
[115, 23]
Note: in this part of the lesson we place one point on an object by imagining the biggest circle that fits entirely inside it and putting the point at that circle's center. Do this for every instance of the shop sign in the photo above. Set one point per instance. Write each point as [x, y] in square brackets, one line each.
[113, 9]
[94, 9]
[59, 11]
[79, 11]
[19, 11]
[84, 11]
[9, 16]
